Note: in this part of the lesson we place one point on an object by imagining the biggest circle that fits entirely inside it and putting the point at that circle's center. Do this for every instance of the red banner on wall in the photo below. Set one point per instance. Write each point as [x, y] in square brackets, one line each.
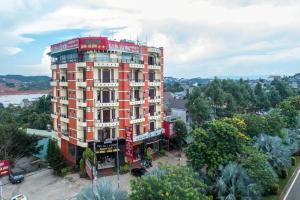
[4, 167]
[89, 168]
[66, 45]
[123, 46]
[93, 43]
[129, 144]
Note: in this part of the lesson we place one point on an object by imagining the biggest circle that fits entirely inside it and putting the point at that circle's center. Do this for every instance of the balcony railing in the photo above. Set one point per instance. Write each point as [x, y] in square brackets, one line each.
[65, 132]
[154, 97]
[154, 80]
[105, 121]
[106, 81]
[109, 101]
[81, 80]
[154, 113]
[136, 117]
[64, 98]
[64, 115]
[136, 80]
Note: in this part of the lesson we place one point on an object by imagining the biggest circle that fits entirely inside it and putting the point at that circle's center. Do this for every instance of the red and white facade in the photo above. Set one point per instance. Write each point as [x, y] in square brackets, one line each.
[102, 89]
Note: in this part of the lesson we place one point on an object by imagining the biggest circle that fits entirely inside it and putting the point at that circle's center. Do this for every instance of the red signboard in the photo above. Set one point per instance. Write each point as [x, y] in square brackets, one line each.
[124, 47]
[4, 167]
[93, 43]
[66, 45]
[129, 144]
[168, 127]
[89, 168]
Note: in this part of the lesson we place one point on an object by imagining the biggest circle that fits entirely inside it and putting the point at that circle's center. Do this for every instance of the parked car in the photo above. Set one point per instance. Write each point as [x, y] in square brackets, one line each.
[138, 171]
[19, 197]
[16, 177]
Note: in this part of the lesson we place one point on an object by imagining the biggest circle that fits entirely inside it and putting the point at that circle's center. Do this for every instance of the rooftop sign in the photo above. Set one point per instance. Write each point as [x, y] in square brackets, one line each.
[63, 46]
[123, 46]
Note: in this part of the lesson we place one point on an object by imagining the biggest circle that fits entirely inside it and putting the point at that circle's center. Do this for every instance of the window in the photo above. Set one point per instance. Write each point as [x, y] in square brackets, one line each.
[137, 112]
[113, 113]
[152, 126]
[99, 95]
[113, 133]
[137, 129]
[106, 115]
[152, 93]
[113, 95]
[103, 134]
[71, 149]
[105, 95]
[106, 76]
[136, 75]
[152, 110]
[151, 76]
[137, 95]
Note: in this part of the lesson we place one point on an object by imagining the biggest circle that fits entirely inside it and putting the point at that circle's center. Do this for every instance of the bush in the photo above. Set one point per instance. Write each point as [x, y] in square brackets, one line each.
[64, 171]
[284, 173]
[293, 161]
[124, 169]
[275, 189]
[163, 152]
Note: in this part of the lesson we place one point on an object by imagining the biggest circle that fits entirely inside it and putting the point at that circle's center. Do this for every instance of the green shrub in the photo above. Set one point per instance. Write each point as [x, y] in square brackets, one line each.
[163, 152]
[124, 169]
[284, 173]
[293, 161]
[275, 189]
[64, 171]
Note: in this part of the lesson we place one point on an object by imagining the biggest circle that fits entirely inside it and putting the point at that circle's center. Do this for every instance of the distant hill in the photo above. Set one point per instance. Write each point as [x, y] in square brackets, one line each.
[10, 84]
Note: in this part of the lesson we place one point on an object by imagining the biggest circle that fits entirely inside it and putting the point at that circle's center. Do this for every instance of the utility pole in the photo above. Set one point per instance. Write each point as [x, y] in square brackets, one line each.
[1, 193]
[118, 163]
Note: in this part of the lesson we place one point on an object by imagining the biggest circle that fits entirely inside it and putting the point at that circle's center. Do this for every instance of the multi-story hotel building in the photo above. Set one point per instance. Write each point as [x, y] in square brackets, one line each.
[104, 91]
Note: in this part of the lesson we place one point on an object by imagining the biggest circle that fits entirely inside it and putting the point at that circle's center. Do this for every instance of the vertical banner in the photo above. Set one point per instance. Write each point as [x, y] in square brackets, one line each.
[4, 167]
[89, 168]
[129, 144]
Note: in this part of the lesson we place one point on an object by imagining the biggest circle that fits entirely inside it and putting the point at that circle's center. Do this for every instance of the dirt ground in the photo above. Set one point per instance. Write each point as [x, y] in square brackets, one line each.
[43, 184]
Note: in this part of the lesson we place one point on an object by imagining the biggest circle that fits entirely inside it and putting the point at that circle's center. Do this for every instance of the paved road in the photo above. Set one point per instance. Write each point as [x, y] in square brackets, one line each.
[294, 193]
[43, 185]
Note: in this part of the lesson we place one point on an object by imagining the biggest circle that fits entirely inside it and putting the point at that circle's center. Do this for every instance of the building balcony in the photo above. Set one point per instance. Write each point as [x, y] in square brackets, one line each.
[53, 67]
[54, 115]
[63, 66]
[154, 116]
[136, 66]
[63, 83]
[64, 118]
[81, 64]
[81, 83]
[136, 119]
[154, 67]
[154, 83]
[53, 99]
[111, 103]
[102, 123]
[81, 102]
[136, 83]
[153, 50]
[102, 83]
[110, 63]
[155, 99]
[65, 135]
[136, 101]
[53, 83]
[81, 121]
[64, 100]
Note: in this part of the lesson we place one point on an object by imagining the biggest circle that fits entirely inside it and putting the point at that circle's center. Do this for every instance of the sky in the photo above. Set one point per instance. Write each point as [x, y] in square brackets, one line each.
[201, 38]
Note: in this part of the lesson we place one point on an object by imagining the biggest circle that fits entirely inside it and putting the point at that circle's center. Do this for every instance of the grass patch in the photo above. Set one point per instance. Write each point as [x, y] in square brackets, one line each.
[282, 182]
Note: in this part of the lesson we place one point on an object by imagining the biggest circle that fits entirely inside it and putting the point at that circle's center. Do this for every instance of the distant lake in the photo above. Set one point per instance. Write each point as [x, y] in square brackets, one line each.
[17, 99]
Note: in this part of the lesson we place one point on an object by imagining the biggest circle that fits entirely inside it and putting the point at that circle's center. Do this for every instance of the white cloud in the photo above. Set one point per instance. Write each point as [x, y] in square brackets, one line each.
[208, 35]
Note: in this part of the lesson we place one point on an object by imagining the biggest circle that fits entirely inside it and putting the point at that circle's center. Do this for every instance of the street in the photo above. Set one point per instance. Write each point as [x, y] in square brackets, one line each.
[294, 193]
[44, 185]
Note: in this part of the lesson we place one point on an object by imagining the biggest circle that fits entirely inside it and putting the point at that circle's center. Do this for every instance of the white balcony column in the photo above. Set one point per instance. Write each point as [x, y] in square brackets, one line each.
[110, 95]
[101, 81]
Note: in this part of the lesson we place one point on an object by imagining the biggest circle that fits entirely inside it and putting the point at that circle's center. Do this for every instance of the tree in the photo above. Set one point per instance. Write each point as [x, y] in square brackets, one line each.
[198, 108]
[219, 144]
[262, 102]
[168, 183]
[101, 190]
[255, 124]
[288, 110]
[234, 183]
[55, 157]
[258, 168]
[274, 97]
[275, 123]
[87, 155]
[180, 130]
[216, 95]
[279, 154]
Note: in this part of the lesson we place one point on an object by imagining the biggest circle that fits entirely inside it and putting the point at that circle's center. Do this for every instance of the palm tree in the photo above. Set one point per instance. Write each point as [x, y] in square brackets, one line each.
[234, 183]
[101, 190]
[278, 153]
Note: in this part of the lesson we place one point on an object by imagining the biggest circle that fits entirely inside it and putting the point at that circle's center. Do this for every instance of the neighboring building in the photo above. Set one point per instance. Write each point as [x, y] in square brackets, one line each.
[104, 91]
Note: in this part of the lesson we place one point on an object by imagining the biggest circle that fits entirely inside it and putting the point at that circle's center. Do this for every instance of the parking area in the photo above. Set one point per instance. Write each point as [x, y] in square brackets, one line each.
[43, 184]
